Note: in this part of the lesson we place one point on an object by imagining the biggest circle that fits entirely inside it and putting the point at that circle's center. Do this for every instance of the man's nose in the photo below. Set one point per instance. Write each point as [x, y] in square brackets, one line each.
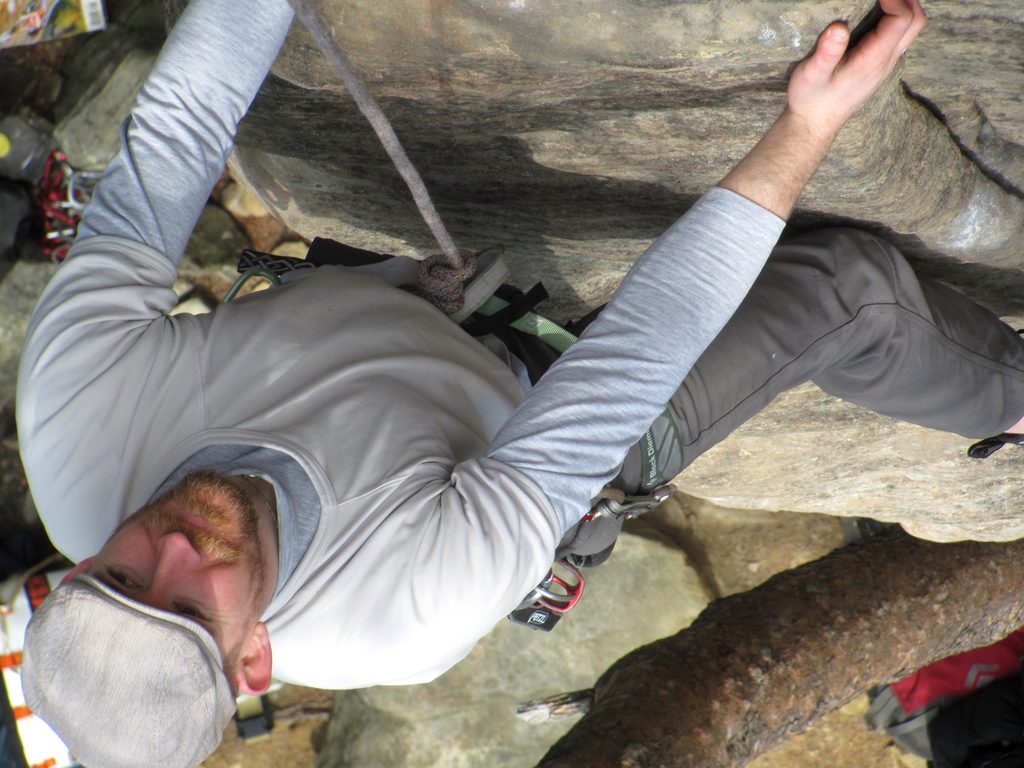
[175, 556]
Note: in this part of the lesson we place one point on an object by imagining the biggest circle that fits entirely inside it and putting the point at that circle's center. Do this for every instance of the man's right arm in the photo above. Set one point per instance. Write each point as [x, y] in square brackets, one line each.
[99, 343]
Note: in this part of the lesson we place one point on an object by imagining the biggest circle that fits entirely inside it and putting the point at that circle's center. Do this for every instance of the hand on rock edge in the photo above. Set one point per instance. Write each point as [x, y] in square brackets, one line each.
[827, 87]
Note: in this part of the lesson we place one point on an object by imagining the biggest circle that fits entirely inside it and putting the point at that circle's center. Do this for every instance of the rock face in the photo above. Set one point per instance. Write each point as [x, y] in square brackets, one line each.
[467, 717]
[808, 452]
[575, 132]
[102, 80]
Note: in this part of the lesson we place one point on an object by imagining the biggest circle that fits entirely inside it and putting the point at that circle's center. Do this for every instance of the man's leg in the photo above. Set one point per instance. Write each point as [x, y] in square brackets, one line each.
[842, 308]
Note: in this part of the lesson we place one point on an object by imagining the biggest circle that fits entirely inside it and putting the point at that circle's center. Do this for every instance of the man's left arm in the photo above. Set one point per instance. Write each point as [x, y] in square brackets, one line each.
[571, 433]
[824, 91]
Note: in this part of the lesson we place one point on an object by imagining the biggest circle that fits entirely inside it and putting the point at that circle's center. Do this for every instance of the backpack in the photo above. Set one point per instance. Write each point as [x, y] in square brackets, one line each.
[959, 711]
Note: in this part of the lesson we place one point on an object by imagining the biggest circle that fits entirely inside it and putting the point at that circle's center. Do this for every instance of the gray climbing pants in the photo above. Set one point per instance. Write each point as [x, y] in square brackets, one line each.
[841, 308]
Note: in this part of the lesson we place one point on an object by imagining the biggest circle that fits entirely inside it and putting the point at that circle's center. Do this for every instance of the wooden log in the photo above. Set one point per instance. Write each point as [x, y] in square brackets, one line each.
[761, 666]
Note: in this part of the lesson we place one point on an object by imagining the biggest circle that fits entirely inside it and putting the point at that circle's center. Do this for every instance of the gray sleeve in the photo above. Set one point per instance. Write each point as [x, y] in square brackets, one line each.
[181, 128]
[99, 335]
[572, 432]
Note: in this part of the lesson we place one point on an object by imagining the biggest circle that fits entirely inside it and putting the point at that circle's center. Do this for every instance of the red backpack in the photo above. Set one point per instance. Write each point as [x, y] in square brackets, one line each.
[904, 708]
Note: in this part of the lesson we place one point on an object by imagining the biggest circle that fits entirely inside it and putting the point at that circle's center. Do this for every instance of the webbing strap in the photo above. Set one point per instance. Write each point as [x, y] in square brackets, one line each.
[548, 331]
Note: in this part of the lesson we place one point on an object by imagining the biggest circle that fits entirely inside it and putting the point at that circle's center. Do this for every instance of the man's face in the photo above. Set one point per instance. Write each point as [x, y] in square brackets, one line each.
[201, 550]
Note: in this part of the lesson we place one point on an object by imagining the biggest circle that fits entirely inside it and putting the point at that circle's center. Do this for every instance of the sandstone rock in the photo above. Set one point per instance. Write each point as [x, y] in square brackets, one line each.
[467, 717]
[808, 452]
[90, 135]
[840, 740]
[241, 203]
[193, 305]
[295, 249]
[980, 97]
[181, 287]
[102, 79]
[574, 133]
[735, 550]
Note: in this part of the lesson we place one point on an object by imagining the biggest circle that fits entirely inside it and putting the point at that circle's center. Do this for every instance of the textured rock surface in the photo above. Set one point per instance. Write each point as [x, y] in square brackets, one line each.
[467, 717]
[808, 452]
[574, 132]
[102, 79]
[840, 740]
[216, 242]
[775, 659]
[89, 134]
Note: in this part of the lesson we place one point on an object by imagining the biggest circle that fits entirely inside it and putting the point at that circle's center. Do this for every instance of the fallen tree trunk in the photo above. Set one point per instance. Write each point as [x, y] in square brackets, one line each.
[759, 667]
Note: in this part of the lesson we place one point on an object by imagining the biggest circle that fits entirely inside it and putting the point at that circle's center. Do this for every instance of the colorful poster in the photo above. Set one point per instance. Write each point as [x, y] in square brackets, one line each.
[24, 22]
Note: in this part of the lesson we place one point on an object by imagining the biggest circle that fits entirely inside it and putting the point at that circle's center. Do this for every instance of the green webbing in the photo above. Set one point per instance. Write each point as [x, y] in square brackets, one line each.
[548, 331]
[244, 278]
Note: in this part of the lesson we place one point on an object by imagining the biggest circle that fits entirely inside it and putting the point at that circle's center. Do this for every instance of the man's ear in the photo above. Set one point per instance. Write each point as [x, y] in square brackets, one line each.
[80, 568]
[254, 668]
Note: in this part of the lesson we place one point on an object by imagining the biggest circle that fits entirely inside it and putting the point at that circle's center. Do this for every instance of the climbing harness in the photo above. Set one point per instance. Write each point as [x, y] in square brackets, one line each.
[556, 595]
[277, 269]
[489, 306]
[617, 504]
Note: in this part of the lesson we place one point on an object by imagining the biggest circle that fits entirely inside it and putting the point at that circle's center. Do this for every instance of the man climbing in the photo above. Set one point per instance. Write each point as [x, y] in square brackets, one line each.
[335, 470]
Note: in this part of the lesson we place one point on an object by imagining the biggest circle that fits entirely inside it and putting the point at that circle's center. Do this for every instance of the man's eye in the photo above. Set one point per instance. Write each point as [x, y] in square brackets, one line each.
[119, 578]
[188, 610]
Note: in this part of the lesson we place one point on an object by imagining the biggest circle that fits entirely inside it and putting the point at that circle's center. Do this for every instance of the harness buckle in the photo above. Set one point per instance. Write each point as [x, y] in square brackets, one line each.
[562, 588]
[615, 503]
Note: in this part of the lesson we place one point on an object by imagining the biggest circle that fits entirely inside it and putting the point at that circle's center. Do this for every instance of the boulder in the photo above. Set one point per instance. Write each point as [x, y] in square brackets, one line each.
[573, 133]
[809, 452]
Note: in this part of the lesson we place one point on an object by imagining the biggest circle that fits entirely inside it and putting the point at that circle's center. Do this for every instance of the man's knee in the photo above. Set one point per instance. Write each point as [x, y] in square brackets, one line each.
[848, 268]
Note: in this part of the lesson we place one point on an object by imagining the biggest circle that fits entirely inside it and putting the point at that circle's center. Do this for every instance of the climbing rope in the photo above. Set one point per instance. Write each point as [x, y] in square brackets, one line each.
[443, 284]
[309, 16]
